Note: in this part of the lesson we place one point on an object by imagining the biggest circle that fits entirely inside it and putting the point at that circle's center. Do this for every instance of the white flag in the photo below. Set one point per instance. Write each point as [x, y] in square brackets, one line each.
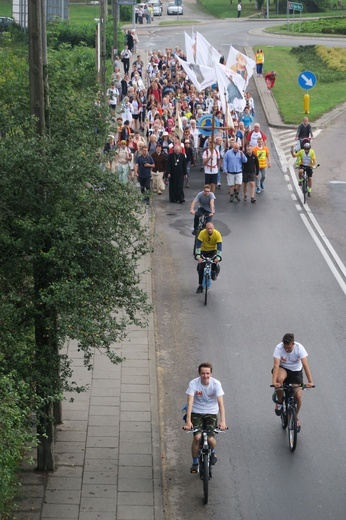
[190, 48]
[201, 76]
[231, 87]
[240, 64]
[206, 54]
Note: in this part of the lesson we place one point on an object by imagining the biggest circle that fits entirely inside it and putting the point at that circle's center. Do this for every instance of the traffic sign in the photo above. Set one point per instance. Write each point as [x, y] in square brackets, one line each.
[307, 79]
[294, 6]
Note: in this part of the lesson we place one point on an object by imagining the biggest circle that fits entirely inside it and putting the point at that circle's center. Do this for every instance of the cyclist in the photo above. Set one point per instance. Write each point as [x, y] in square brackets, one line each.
[209, 244]
[305, 157]
[290, 358]
[205, 199]
[204, 402]
[304, 132]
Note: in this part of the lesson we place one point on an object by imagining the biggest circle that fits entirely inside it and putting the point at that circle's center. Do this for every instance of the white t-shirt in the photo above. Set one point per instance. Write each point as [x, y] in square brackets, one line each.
[205, 397]
[290, 360]
[211, 166]
[254, 138]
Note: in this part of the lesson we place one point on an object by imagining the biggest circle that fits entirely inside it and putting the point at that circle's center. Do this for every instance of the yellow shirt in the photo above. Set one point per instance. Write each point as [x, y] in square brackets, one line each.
[259, 57]
[209, 242]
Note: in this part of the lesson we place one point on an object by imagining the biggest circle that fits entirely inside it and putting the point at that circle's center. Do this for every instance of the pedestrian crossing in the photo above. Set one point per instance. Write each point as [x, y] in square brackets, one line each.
[283, 139]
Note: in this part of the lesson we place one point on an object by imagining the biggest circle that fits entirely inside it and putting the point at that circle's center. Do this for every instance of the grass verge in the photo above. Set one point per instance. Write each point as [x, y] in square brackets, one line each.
[330, 89]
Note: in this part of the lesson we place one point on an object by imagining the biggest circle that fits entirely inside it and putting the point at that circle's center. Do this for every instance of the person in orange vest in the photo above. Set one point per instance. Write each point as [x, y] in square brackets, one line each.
[259, 62]
[262, 154]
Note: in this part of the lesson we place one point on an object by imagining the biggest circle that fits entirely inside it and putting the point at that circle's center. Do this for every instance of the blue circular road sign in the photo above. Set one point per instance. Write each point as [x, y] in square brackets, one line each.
[307, 79]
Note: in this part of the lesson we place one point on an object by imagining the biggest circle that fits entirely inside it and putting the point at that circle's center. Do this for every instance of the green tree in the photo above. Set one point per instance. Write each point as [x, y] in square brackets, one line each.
[71, 236]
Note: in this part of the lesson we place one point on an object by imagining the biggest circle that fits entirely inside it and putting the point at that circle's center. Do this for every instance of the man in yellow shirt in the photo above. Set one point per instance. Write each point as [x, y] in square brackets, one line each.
[305, 157]
[262, 154]
[209, 244]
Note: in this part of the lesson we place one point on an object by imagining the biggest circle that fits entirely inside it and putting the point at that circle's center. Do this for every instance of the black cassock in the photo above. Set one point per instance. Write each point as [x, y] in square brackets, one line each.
[176, 167]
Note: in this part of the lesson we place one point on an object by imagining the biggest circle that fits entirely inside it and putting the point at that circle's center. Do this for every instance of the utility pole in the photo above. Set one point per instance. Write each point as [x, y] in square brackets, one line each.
[103, 19]
[36, 76]
[115, 28]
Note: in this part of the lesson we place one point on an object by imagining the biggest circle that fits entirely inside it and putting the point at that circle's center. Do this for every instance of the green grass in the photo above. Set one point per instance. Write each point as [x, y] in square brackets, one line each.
[5, 8]
[179, 22]
[325, 96]
[330, 26]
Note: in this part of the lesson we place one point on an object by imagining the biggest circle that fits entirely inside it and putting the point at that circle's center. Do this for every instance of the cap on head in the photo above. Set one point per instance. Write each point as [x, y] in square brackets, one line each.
[307, 146]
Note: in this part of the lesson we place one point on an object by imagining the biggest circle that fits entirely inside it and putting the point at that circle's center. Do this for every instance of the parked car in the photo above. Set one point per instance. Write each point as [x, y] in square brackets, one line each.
[172, 8]
[157, 6]
[5, 23]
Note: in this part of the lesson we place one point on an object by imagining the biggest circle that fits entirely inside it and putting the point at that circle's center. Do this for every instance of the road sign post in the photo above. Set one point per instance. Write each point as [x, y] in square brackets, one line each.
[294, 6]
[306, 80]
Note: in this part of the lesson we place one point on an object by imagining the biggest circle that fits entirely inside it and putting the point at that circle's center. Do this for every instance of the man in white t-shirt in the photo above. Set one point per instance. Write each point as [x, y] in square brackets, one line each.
[210, 159]
[204, 402]
[290, 358]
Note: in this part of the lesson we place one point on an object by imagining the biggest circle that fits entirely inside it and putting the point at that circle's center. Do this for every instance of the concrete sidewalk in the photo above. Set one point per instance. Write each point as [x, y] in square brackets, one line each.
[108, 448]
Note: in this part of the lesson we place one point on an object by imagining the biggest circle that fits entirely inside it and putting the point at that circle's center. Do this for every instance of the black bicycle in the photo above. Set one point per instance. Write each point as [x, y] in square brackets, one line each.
[204, 466]
[289, 412]
[305, 179]
[202, 221]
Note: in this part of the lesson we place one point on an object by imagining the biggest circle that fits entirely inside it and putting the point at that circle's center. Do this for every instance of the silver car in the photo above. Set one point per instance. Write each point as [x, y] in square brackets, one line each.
[172, 8]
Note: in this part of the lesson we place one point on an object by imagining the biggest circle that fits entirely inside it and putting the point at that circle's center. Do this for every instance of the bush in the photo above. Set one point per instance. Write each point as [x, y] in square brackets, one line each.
[15, 434]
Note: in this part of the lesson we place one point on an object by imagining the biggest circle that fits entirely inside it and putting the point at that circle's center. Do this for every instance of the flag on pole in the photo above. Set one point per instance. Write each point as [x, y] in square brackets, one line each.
[231, 88]
[240, 64]
[178, 123]
[190, 48]
[200, 75]
[206, 54]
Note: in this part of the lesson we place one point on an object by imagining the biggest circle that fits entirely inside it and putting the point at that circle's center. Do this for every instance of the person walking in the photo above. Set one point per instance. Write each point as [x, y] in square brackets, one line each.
[233, 167]
[176, 169]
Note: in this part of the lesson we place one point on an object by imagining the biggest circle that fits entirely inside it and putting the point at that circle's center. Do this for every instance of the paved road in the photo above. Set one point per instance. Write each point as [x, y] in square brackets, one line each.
[273, 280]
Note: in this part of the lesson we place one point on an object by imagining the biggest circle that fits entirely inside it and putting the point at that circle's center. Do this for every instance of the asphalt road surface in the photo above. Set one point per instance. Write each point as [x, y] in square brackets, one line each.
[273, 280]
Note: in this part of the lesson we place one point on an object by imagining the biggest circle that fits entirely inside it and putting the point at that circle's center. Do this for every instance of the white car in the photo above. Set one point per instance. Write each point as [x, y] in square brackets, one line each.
[172, 8]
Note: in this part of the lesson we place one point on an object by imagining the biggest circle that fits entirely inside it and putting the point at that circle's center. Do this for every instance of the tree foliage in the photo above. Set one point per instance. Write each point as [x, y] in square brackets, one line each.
[71, 237]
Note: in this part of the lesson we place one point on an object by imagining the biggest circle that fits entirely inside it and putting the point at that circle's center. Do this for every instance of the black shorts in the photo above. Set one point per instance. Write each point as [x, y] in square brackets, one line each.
[308, 171]
[248, 177]
[293, 377]
[135, 116]
[210, 178]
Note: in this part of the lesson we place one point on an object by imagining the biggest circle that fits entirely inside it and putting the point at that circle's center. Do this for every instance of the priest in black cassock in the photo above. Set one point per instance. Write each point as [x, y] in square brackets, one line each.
[176, 169]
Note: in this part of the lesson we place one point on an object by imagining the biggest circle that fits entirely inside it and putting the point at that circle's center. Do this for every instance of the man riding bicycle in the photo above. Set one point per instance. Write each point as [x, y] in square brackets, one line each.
[209, 245]
[204, 402]
[205, 199]
[307, 158]
[290, 358]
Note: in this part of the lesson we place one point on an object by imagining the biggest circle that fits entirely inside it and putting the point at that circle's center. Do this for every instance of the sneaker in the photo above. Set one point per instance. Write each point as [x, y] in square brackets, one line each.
[213, 276]
[299, 426]
[213, 459]
[237, 197]
[199, 289]
[219, 185]
[231, 198]
[194, 232]
[258, 190]
[262, 186]
[253, 201]
[300, 182]
[309, 193]
[278, 408]
[194, 468]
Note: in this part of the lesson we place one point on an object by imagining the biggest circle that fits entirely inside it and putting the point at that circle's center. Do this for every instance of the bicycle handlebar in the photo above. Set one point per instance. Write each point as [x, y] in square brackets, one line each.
[290, 385]
[307, 166]
[215, 430]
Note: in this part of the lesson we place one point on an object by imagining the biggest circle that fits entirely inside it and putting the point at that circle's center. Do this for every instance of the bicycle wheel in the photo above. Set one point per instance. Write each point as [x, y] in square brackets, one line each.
[206, 281]
[305, 189]
[205, 478]
[292, 428]
[284, 417]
